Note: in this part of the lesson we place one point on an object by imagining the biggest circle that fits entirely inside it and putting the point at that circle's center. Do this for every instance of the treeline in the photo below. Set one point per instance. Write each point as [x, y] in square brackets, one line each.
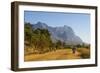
[36, 39]
[39, 41]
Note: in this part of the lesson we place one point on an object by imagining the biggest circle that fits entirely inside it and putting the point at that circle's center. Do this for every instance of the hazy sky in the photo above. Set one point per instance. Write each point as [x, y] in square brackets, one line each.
[80, 23]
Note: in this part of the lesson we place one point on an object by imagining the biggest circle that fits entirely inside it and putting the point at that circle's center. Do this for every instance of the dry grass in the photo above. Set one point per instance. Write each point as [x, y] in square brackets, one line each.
[54, 55]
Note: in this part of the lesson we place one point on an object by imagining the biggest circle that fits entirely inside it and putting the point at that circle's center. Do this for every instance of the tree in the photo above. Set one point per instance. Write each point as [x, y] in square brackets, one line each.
[41, 39]
[58, 44]
[28, 33]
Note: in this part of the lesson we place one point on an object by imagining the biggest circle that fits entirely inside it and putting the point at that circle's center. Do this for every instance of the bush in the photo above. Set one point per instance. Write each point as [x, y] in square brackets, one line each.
[85, 53]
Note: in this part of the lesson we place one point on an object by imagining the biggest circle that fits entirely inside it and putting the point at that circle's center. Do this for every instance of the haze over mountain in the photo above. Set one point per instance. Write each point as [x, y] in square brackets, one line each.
[63, 33]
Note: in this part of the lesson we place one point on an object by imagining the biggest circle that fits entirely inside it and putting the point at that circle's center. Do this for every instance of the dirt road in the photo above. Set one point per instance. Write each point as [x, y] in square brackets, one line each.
[62, 54]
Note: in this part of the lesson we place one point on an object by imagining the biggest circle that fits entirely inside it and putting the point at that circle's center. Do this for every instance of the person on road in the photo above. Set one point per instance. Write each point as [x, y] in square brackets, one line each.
[73, 50]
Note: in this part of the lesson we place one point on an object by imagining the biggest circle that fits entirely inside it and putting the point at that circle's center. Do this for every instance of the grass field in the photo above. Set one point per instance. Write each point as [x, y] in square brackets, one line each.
[62, 54]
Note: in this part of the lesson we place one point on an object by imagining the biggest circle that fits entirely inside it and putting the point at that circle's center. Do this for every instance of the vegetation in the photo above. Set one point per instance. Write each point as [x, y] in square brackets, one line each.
[84, 52]
[37, 39]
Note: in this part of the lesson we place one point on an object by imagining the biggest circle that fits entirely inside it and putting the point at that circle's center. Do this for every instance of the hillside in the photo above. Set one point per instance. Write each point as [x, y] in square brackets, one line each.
[43, 42]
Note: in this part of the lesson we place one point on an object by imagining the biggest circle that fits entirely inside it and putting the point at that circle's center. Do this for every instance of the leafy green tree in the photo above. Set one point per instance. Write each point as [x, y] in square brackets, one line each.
[28, 33]
[58, 44]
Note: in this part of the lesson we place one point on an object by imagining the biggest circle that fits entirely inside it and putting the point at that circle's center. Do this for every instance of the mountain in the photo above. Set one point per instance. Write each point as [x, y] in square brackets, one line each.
[64, 33]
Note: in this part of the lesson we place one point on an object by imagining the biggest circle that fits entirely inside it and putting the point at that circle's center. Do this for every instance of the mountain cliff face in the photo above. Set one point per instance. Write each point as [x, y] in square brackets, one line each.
[64, 33]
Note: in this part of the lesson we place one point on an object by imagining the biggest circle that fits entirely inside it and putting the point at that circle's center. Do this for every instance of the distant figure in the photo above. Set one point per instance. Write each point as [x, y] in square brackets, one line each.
[73, 50]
